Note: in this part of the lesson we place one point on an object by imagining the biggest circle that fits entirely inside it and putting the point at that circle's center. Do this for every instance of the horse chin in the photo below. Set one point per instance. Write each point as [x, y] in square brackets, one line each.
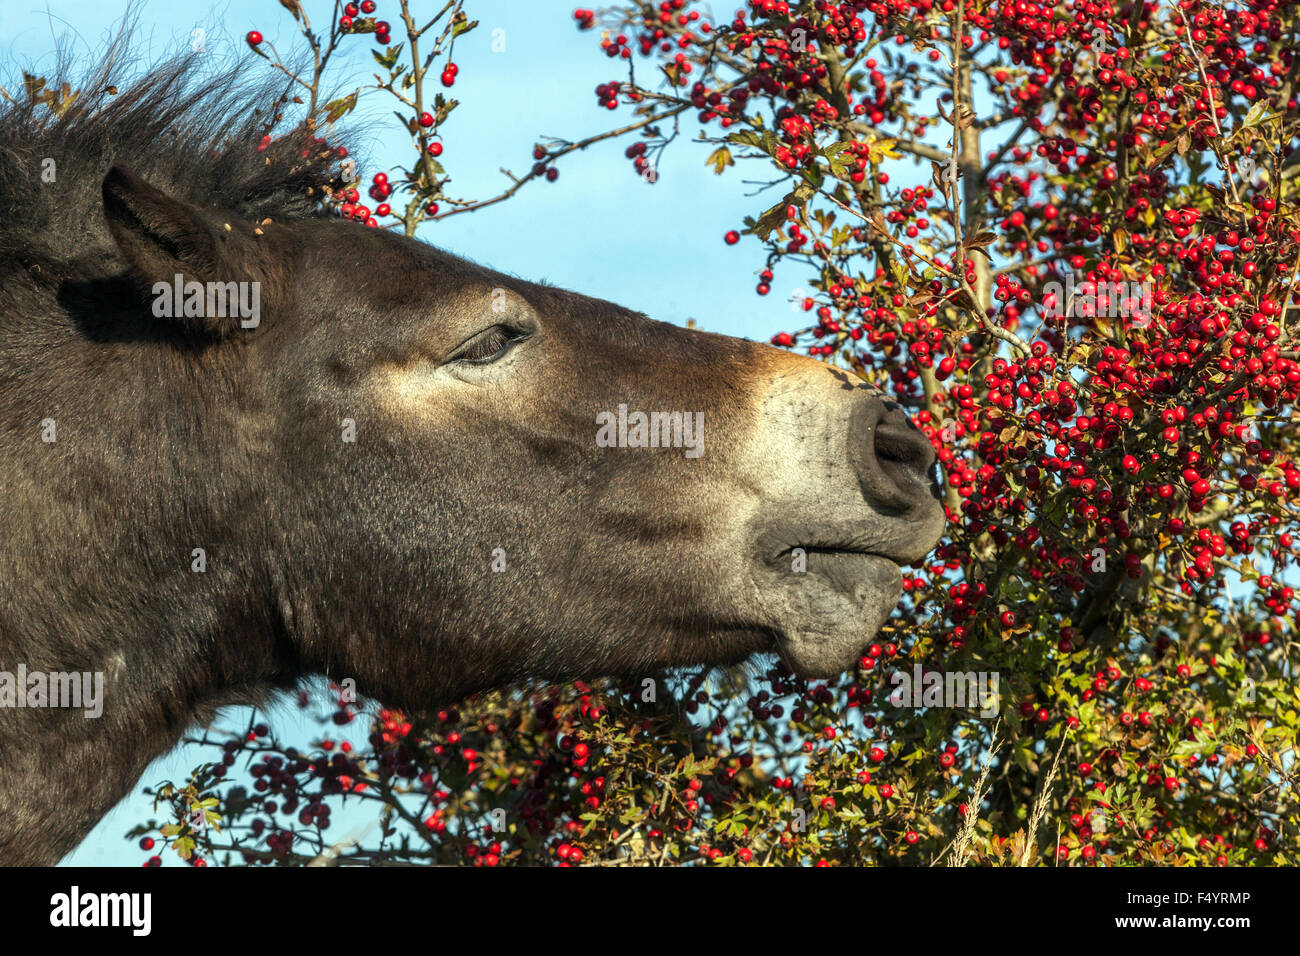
[833, 610]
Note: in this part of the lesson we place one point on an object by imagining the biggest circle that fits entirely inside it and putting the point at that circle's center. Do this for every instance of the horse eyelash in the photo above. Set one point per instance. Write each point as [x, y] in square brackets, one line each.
[488, 345]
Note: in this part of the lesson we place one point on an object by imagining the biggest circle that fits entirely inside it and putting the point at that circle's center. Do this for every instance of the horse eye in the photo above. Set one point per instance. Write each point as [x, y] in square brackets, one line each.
[488, 346]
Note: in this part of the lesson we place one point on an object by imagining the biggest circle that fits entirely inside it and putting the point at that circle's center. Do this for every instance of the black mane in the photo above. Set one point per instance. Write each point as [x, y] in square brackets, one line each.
[195, 134]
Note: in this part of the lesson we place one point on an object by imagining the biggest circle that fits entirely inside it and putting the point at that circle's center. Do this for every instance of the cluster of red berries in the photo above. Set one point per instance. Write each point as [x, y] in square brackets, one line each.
[351, 11]
[607, 94]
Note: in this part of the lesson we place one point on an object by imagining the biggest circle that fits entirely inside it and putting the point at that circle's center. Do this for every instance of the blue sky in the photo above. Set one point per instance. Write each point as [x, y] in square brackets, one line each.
[599, 229]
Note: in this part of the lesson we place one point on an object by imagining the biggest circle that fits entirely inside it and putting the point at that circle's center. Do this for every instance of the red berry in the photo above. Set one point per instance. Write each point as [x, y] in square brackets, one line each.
[254, 38]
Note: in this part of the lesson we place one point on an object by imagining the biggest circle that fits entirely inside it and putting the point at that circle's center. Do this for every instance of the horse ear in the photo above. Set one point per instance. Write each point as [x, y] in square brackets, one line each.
[196, 265]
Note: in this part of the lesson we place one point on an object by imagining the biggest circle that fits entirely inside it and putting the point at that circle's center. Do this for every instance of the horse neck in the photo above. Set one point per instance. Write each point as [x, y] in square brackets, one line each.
[62, 768]
[101, 526]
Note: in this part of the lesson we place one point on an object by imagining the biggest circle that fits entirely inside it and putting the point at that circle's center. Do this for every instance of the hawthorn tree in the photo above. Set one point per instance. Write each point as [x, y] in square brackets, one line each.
[1064, 237]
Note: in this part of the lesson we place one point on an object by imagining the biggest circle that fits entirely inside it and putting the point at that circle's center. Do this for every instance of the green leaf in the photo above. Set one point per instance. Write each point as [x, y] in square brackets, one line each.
[388, 57]
[775, 216]
[1258, 114]
[840, 157]
[1023, 757]
[745, 137]
[337, 109]
[769, 220]
[442, 108]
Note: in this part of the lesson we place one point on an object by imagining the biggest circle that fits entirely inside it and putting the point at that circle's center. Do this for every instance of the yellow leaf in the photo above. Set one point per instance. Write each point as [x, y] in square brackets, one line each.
[720, 159]
[880, 149]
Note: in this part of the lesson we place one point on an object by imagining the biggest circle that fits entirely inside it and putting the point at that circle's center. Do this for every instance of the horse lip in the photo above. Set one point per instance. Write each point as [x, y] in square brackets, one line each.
[829, 609]
[828, 549]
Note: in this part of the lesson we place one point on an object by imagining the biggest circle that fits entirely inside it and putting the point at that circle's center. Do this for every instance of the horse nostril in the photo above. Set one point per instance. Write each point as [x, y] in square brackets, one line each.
[899, 443]
[892, 459]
